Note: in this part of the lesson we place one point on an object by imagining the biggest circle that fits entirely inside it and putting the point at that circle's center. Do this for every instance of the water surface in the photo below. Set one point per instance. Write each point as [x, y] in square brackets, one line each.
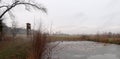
[86, 50]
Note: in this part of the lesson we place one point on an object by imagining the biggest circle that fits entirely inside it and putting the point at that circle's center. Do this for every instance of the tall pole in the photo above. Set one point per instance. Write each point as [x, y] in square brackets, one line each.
[28, 29]
[1, 30]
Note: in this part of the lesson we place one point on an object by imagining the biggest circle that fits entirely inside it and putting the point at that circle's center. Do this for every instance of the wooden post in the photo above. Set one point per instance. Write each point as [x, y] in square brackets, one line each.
[28, 29]
[1, 30]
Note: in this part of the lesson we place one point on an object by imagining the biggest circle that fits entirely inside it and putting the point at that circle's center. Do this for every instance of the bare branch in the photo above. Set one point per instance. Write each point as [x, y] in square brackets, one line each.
[3, 6]
[11, 15]
[21, 3]
[9, 8]
[34, 5]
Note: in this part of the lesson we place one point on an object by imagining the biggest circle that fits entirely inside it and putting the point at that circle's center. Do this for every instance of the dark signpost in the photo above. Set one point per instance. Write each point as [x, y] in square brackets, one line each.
[28, 29]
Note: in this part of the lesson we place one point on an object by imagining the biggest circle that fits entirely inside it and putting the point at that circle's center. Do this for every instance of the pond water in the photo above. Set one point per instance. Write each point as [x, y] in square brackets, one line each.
[86, 50]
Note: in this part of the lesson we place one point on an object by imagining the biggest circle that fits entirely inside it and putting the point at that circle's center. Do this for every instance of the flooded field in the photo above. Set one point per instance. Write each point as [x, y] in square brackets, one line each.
[86, 50]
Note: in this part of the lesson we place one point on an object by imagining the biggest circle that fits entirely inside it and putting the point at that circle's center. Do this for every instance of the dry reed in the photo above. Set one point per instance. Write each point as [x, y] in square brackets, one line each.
[40, 48]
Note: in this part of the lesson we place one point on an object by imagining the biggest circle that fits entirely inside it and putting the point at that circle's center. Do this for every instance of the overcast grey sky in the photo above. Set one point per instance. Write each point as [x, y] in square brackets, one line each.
[75, 16]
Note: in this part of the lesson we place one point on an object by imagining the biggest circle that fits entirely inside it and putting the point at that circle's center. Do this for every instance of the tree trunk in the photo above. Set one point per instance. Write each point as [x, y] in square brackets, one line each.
[1, 30]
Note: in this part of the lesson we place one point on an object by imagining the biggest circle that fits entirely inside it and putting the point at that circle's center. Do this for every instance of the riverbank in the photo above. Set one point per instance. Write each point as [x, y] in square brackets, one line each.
[100, 39]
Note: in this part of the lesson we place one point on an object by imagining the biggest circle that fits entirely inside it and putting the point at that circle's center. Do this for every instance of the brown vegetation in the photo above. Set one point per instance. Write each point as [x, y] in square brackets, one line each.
[103, 38]
[40, 47]
[37, 48]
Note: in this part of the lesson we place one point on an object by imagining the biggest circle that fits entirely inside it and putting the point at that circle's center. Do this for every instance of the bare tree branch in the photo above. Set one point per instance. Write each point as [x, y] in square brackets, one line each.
[8, 8]
[21, 3]
[41, 8]
[12, 16]
[3, 6]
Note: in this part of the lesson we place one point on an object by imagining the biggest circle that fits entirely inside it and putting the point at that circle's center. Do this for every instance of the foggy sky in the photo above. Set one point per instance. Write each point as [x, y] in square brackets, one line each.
[74, 16]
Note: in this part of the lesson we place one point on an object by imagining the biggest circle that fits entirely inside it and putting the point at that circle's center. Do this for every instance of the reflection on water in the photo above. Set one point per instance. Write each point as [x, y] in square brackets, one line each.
[104, 56]
[86, 50]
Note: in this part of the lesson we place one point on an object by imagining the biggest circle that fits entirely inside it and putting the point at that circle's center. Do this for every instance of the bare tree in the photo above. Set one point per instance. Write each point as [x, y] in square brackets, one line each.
[7, 8]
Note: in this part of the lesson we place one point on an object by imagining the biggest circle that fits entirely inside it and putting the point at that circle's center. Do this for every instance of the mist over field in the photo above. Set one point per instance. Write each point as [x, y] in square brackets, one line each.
[59, 29]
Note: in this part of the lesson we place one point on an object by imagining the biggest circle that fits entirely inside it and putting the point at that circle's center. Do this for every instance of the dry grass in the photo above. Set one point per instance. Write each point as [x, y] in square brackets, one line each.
[39, 47]
[103, 38]
[65, 38]
[11, 49]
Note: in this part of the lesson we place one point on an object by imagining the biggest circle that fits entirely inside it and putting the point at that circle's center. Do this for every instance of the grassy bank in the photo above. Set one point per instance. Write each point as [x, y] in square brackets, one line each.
[13, 49]
[95, 38]
[34, 47]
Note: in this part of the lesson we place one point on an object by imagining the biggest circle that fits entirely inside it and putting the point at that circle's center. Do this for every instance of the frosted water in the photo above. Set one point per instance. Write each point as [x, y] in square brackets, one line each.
[86, 50]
